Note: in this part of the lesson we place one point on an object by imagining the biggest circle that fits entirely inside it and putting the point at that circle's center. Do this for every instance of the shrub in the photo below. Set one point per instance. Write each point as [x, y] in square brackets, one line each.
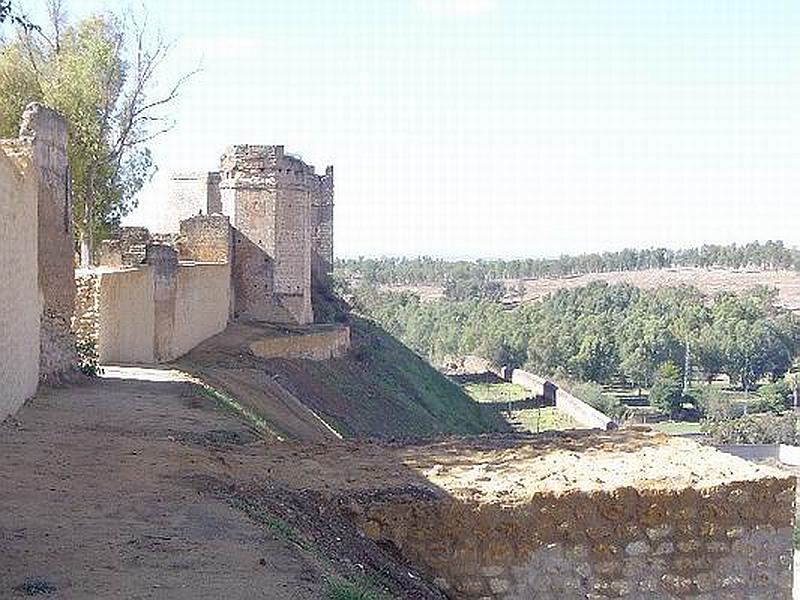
[772, 397]
[592, 394]
[88, 359]
[766, 428]
[714, 404]
[346, 590]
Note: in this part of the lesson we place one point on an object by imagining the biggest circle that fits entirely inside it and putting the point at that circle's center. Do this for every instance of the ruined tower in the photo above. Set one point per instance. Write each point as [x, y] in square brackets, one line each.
[322, 228]
[281, 216]
[268, 196]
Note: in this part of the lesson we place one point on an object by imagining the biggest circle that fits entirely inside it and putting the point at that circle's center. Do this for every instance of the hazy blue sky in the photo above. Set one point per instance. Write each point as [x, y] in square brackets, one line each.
[504, 127]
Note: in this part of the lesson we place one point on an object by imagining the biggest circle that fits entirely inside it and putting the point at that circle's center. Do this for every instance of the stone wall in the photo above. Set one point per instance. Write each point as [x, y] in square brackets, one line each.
[593, 517]
[125, 314]
[20, 303]
[154, 312]
[205, 239]
[202, 304]
[576, 408]
[321, 343]
[46, 133]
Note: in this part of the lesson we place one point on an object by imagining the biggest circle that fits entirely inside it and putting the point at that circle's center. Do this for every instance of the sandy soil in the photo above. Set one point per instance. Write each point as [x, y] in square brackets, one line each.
[99, 500]
[510, 469]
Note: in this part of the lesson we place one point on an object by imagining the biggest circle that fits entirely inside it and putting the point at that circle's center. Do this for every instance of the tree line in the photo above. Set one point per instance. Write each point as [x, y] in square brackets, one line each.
[604, 333]
[426, 270]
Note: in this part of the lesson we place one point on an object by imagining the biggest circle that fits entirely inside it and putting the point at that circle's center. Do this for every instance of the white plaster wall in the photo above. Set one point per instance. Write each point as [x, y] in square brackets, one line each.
[202, 304]
[126, 316]
[20, 300]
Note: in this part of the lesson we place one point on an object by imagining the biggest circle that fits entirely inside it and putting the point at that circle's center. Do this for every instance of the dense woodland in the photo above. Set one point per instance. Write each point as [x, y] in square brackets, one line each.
[425, 270]
[605, 333]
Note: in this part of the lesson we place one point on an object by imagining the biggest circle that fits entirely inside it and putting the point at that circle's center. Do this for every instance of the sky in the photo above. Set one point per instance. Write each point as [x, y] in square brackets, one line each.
[501, 128]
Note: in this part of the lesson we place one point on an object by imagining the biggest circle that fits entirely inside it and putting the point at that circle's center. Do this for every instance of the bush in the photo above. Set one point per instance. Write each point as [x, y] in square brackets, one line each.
[593, 395]
[666, 394]
[714, 404]
[88, 359]
[772, 397]
[754, 429]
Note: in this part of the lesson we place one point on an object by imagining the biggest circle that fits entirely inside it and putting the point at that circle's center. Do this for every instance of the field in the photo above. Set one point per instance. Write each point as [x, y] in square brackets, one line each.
[708, 281]
[533, 420]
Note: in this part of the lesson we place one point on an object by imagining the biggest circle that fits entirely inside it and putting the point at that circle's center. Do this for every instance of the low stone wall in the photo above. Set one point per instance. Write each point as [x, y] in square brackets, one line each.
[581, 412]
[20, 304]
[538, 385]
[315, 344]
[148, 314]
[576, 408]
[592, 517]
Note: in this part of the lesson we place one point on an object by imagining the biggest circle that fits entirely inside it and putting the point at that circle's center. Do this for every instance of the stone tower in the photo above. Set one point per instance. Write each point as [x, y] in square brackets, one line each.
[268, 196]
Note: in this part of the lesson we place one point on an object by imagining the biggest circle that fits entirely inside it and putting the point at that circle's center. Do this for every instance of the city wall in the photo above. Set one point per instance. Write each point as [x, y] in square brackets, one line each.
[37, 287]
[600, 516]
[20, 303]
[147, 314]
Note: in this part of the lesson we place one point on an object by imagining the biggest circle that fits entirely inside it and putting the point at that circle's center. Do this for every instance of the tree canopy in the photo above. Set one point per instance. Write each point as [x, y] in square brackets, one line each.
[99, 73]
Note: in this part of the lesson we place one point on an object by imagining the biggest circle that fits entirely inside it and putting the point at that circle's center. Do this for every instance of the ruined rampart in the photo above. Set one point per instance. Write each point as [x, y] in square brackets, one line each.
[589, 515]
[154, 312]
[20, 307]
[319, 344]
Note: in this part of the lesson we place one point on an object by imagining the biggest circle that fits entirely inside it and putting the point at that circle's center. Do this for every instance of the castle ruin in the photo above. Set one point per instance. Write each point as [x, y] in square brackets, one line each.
[281, 213]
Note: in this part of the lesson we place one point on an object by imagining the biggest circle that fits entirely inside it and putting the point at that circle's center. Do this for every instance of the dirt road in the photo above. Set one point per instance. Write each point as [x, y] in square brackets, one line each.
[99, 500]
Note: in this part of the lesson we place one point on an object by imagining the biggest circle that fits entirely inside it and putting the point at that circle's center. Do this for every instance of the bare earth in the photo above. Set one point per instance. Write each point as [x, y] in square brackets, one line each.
[98, 499]
[138, 486]
[708, 281]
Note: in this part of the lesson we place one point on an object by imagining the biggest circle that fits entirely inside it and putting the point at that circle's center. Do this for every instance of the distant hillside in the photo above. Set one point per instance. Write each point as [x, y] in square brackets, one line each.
[770, 255]
[707, 281]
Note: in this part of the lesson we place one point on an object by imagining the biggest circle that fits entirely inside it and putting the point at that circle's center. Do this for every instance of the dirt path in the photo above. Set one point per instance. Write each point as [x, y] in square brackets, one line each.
[99, 499]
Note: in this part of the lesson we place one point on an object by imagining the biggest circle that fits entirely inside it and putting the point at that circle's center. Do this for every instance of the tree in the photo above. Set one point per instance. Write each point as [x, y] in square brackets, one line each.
[792, 379]
[667, 392]
[100, 74]
[16, 18]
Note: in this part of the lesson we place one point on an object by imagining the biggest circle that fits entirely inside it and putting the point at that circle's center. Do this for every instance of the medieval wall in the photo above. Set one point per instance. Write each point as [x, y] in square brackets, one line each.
[20, 304]
[46, 132]
[154, 312]
[592, 517]
[202, 306]
[125, 325]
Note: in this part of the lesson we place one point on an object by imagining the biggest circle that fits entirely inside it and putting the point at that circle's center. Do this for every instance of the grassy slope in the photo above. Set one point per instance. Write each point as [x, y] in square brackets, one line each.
[382, 388]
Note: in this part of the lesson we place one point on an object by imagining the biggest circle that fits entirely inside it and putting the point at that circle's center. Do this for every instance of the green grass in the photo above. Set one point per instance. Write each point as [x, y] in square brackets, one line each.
[543, 419]
[339, 589]
[229, 403]
[676, 427]
[382, 388]
[496, 392]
